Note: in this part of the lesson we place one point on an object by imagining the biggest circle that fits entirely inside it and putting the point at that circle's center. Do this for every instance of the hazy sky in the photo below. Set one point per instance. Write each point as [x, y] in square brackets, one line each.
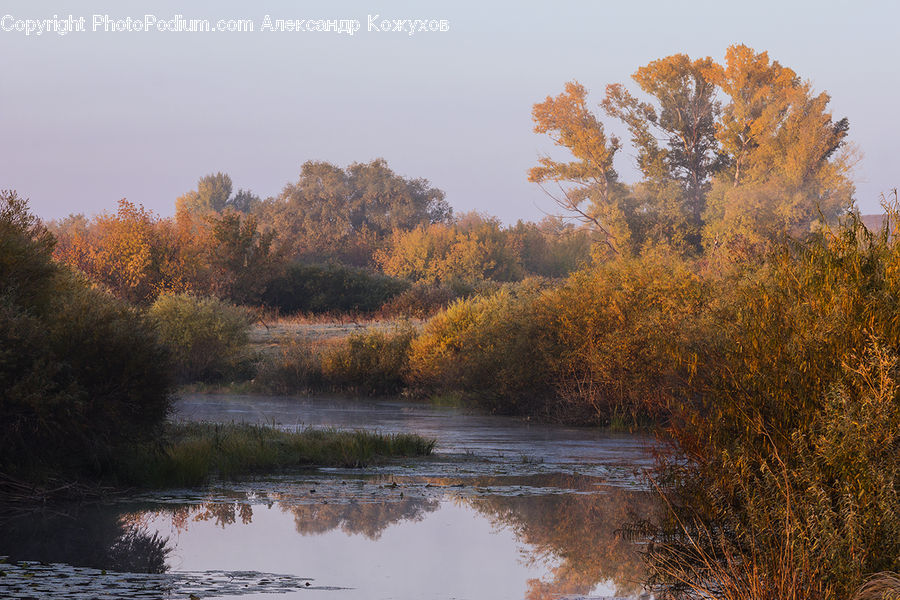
[88, 118]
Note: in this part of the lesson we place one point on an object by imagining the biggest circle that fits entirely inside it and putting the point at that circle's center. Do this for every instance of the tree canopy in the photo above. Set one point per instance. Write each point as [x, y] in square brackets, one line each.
[741, 150]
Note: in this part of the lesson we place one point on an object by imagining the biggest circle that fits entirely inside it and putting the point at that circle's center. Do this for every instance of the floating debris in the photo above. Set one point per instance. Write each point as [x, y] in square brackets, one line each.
[29, 579]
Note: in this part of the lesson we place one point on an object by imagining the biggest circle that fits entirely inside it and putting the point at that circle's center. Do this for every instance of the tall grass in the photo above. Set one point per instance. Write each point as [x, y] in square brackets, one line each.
[371, 362]
[192, 453]
[790, 425]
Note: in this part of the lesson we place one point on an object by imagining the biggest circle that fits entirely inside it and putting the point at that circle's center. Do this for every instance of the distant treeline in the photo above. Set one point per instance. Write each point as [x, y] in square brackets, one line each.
[328, 243]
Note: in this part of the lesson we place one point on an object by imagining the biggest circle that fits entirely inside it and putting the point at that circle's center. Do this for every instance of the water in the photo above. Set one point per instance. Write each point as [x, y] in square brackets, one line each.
[505, 509]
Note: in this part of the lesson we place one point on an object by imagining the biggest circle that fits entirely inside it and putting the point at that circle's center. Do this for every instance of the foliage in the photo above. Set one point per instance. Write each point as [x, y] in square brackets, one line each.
[476, 248]
[343, 214]
[551, 247]
[133, 253]
[420, 300]
[572, 125]
[764, 163]
[83, 374]
[213, 195]
[330, 288]
[791, 430]
[621, 327]
[374, 362]
[207, 337]
[490, 348]
[241, 259]
[294, 365]
[784, 171]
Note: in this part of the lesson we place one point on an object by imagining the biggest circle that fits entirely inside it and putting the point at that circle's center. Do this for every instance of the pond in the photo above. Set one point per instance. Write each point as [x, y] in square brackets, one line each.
[504, 509]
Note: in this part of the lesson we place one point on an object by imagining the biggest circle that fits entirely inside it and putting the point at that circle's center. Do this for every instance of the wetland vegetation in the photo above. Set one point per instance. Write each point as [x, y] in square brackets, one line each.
[732, 300]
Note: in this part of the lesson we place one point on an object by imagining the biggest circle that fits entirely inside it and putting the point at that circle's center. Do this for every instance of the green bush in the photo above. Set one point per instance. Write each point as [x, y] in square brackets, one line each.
[207, 337]
[82, 373]
[330, 288]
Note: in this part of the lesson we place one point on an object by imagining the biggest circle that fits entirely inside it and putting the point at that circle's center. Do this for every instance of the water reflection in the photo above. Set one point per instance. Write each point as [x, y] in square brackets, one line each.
[98, 537]
[530, 512]
[584, 531]
[572, 523]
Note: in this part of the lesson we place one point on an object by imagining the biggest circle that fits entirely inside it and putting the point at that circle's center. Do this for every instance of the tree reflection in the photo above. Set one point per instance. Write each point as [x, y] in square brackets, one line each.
[356, 517]
[359, 518]
[569, 522]
[97, 537]
[582, 531]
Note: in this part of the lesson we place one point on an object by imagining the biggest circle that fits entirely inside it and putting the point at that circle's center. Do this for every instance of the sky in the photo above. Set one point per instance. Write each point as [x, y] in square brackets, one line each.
[90, 117]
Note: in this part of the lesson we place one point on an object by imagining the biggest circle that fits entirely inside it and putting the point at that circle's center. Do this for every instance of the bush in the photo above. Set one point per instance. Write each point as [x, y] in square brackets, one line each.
[494, 349]
[622, 329]
[82, 373]
[331, 288]
[373, 362]
[420, 301]
[294, 365]
[208, 338]
[792, 484]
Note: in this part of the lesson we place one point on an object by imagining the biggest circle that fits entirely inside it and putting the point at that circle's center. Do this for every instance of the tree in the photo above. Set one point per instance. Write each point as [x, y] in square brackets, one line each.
[240, 257]
[212, 194]
[346, 214]
[784, 172]
[133, 253]
[684, 117]
[771, 161]
[82, 373]
[591, 176]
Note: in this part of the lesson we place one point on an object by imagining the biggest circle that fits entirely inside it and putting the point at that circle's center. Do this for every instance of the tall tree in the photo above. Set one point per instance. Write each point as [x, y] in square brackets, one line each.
[786, 168]
[345, 214]
[675, 135]
[591, 176]
[212, 194]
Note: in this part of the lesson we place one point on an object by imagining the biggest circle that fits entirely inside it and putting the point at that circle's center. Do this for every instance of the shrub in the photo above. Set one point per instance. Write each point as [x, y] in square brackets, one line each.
[622, 328]
[334, 288]
[372, 362]
[208, 337]
[493, 349]
[420, 301]
[294, 365]
[82, 373]
[792, 484]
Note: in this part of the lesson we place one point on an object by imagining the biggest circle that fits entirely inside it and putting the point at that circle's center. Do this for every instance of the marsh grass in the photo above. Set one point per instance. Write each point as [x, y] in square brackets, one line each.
[193, 453]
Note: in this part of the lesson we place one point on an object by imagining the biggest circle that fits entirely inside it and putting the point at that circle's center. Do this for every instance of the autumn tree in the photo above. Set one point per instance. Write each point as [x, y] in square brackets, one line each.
[786, 168]
[241, 257]
[590, 178]
[770, 161]
[345, 214]
[212, 195]
[674, 135]
[133, 252]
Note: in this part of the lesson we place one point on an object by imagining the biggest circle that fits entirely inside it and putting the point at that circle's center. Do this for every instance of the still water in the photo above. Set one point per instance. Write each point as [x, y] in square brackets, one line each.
[505, 509]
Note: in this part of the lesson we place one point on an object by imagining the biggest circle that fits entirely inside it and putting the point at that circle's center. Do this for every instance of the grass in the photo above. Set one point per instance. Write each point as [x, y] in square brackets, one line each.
[193, 453]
